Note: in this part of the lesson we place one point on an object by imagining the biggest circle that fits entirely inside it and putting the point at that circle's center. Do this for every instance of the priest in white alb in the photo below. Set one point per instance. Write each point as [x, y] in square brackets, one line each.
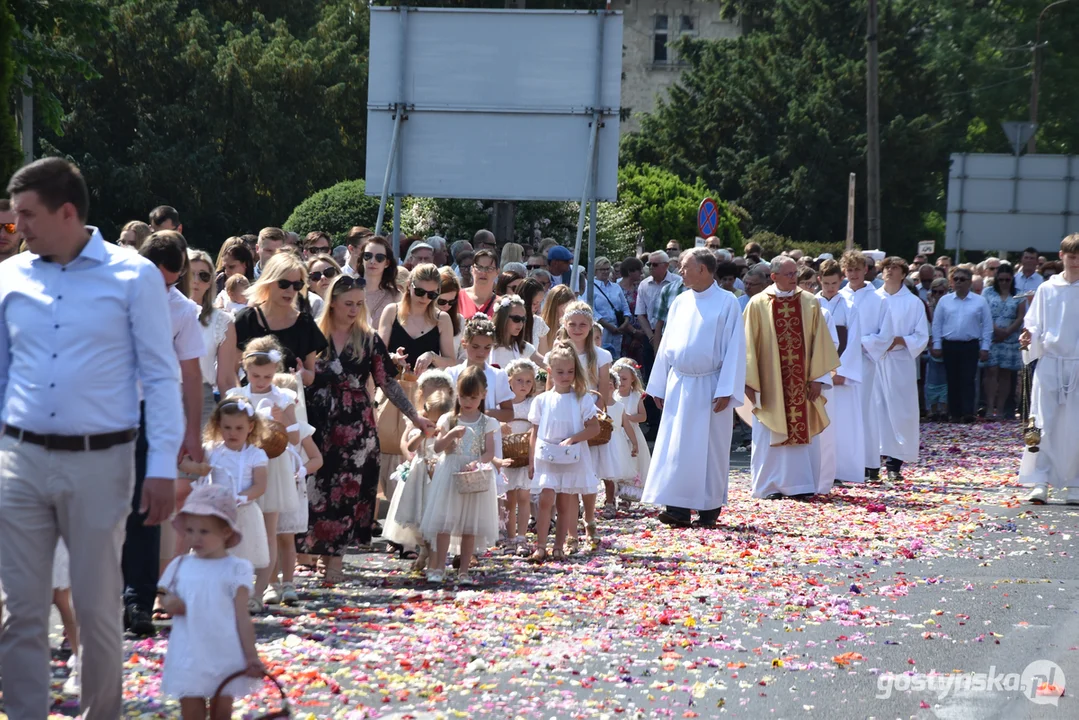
[1051, 337]
[790, 358]
[896, 347]
[866, 302]
[845, 403]
[698, 380]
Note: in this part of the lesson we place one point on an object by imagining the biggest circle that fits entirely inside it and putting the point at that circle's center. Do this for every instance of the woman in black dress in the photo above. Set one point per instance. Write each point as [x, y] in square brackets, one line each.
[419, 336]
[275, 311]
[344, 496]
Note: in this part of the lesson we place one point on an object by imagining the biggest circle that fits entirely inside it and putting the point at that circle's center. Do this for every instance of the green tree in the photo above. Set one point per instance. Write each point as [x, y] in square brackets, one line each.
[335, 210]
[665, 206]
[233, 112]
[10, 151]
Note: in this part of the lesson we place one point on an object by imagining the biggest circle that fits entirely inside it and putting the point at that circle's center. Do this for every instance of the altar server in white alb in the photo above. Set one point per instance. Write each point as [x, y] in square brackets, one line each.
[698, 379]
[867, 305]
[1051, 337]
[790, 358]
[845, 403]
[828, 439]
[903, 335]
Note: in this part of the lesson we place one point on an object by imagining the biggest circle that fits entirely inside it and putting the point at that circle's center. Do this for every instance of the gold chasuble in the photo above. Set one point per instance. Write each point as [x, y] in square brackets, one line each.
[787, 347]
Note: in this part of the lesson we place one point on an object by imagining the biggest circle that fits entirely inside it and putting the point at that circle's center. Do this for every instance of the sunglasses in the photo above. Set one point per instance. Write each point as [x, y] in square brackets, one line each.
[317, 275]
[429, 294]
[347, 282]
[658, 264]
[535, 267]
[286, 284]
[377, 257]
[447, 303]
[9, 228]
[517, 318]
[204, 276]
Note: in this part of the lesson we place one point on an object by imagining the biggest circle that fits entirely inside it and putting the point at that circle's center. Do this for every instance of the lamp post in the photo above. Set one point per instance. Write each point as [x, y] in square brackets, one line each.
[1031, 144]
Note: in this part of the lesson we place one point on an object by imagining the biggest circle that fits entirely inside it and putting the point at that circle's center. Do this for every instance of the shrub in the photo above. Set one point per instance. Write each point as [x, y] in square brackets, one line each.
[774, 244]
[337, 209]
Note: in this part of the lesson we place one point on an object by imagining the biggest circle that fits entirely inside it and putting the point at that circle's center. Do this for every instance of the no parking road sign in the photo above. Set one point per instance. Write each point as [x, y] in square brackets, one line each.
[707, 218]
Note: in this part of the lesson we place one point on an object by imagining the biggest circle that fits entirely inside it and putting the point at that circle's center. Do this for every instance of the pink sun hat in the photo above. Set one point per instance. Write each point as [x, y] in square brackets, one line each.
[216, 500]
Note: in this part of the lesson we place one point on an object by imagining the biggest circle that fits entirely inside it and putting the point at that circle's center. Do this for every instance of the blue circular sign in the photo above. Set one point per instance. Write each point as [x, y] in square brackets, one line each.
[707, 218]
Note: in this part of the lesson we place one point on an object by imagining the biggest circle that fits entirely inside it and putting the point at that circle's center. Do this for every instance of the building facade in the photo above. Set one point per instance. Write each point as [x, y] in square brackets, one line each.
[650, 64]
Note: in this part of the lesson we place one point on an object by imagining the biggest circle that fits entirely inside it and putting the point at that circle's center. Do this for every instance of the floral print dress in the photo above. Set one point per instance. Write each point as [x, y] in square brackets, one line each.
[343, 496]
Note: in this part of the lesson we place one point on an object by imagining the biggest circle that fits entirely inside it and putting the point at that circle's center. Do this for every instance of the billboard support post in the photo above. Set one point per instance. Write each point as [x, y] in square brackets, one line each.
[589, 194]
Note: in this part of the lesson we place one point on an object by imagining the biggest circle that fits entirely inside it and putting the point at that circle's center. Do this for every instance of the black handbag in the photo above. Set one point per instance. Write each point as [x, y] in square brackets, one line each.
[619, 316]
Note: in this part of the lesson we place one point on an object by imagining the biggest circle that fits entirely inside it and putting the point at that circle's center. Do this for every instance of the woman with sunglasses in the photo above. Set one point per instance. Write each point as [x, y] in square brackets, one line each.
[447, 303]
[321, 270]
[418, 334]
[344, 497]
[275, 310]
[1005, 358]
[378, 267]
[480, 298]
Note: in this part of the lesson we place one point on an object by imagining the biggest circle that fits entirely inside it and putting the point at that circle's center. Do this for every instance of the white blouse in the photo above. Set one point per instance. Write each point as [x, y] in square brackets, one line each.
[213, 334]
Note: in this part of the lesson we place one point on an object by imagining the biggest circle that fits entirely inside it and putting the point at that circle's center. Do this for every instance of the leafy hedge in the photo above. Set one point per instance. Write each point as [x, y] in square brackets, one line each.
[336, 210]
[774, 244]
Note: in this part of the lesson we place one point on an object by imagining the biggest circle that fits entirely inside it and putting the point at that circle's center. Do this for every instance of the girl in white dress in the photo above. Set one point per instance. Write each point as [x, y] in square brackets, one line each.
[61, 598]
[306, 461]
[631, 394]
[577, 327]
[467, 437]
[616, 461]
[522, 375]
[510, 342]
[563, 419]
[235, 462]
[207, 593]
[413, 477]
[261, 361]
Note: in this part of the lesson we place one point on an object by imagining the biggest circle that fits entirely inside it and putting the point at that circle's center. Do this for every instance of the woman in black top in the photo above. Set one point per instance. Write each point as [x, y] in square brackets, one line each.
[274, 302]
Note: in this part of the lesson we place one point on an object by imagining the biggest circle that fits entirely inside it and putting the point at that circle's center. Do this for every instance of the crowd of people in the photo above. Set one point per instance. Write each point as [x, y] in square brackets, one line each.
[463, 398]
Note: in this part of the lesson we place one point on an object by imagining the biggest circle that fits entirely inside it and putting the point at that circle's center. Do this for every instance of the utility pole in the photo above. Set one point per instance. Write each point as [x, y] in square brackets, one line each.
[872, 117]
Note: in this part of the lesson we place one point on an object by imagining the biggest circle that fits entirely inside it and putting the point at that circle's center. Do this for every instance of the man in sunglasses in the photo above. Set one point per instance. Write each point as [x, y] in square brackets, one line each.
[316, 243]
[485, 240]
[648, 292]
[536, 261]
[9, 234]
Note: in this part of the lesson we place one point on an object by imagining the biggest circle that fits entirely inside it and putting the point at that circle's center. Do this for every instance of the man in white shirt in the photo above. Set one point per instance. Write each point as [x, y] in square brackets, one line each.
[1052, 338]
[962, 334]
[1028, 279]
[81, 326]
[648, 293]
[167, 250]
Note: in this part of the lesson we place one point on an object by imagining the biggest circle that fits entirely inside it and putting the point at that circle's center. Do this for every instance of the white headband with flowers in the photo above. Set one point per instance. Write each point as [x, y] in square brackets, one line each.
[274, 356]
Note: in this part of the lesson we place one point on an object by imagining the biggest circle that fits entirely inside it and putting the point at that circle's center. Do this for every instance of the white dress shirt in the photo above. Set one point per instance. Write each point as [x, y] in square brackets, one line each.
[186, 330]
[608, 299]
[962, 320]
[76, 339]
[648, 296]
[1024, 284]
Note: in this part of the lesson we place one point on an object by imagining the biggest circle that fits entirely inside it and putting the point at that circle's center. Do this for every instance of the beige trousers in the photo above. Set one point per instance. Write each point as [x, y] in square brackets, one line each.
[83, 497]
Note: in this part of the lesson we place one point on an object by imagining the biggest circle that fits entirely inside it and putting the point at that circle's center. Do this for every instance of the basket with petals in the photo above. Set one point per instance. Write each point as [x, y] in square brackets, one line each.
[274, 441]
[606, 429]
[515, 449]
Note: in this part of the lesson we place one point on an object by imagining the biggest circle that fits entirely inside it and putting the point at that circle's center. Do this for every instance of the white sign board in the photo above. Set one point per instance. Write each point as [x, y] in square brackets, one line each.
[1004, 203]
[927, 247]
[498, 102]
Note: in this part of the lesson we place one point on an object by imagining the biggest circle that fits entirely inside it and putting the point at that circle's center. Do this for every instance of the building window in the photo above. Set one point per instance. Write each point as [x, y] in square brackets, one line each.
[686, 24]
[659, 40]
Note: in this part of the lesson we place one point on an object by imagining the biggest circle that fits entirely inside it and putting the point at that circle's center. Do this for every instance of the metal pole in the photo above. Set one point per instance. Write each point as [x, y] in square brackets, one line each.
[1035, 81]
[851, 190]
[590, 175]
[399, 110]
[872, 129]
[962, 209]
[389, 168]
[397, 226]
[592, 254]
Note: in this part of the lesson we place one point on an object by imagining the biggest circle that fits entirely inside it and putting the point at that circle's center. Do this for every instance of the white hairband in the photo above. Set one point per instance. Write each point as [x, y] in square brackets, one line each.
[244, 406]
[579, 310]
[480, 316]
[273, 355]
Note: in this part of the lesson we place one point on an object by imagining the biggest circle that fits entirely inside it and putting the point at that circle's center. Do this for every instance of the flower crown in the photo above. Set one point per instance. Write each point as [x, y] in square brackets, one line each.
[579, 310]
[506, 301]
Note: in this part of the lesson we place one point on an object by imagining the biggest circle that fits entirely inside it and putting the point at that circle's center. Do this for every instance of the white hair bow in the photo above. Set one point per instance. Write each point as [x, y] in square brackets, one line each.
[245, 406]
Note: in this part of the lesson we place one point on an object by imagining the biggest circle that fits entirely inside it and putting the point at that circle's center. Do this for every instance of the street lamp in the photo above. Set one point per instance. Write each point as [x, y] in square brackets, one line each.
[1037, 71]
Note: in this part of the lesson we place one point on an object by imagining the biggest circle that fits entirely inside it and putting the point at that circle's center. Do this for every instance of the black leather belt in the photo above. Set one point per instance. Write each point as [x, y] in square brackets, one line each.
[72, 443]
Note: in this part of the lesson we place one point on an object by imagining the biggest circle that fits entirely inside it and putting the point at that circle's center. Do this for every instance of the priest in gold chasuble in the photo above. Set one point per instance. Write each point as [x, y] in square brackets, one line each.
[789, 360]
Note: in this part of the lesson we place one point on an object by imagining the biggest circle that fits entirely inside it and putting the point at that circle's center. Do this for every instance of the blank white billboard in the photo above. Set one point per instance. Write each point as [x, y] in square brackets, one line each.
[999, 202]
[499, 102]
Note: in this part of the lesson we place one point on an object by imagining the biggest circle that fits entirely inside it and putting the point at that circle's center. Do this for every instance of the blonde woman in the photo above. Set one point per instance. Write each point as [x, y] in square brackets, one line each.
[321, 270]
[344, 495]
[134, 234]
[554, 307]
[274, 310]
[512, 253]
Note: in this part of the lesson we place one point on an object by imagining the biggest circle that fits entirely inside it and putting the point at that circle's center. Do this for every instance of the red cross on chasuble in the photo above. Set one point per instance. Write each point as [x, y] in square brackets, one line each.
[787, 316]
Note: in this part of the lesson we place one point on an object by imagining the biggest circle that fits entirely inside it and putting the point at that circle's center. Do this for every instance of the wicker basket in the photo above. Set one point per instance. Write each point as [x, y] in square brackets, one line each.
[606, 428]
[275, 442]
[282, 712]
[515, 449]
[472, 481]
